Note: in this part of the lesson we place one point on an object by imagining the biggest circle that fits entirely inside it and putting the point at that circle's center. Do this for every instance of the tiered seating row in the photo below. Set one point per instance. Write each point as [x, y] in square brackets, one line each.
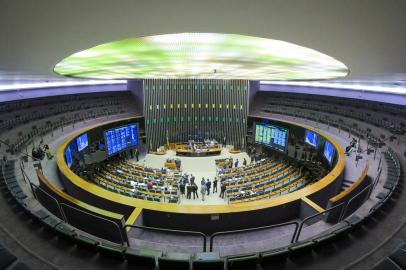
[143, 171]
[370, 116]
[130, 179]
[256, 178]
[9, 261]
[27, 138]
[123, 186]
[250, 172]
[244, 169]
[396, 260]
[17, 113]
[271, 188]
[363, 134]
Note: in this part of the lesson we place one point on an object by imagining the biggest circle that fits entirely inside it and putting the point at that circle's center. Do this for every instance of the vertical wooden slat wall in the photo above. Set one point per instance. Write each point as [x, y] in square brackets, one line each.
[183, 109]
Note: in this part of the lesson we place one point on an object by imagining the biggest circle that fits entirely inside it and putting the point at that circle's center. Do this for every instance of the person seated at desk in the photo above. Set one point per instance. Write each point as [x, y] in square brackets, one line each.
[149, 185]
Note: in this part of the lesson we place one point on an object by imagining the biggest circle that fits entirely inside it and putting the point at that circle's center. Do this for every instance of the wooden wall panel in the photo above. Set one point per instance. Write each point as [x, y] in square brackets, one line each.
[179, 110]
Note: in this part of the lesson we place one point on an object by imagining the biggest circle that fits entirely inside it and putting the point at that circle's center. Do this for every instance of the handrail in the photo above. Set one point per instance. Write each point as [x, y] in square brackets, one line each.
[104, 219]
[168, 230]
[299, 231]
[50, 196]
[354, 185]
[42, 179]
[370, 186]
[26, 176]
[254, 229]
[23, 172]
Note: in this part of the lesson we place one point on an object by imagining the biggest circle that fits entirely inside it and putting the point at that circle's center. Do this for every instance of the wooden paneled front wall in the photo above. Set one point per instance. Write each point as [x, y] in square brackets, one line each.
[179, 110]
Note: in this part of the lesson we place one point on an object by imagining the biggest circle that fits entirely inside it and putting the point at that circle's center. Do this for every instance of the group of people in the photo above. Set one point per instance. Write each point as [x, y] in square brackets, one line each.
[206, 145]
[190, 187]
[228, 164]
[41, 151]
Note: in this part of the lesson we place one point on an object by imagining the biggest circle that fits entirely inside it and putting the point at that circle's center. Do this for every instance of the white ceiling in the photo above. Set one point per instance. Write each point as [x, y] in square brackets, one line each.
[369, 36]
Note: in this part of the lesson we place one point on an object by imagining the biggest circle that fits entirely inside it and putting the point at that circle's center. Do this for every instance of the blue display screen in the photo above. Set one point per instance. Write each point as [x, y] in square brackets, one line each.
[328, 152]
[68, 156]
[271, 136]
[121, 138]
[311, 138]
[82, 142]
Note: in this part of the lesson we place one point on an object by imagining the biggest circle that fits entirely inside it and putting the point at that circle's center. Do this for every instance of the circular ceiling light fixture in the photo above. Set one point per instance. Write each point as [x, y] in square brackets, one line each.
[201, 56]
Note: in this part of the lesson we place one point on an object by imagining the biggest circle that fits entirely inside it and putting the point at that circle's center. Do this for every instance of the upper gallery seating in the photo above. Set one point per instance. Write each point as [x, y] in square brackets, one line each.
[390, 117]
[34, 118]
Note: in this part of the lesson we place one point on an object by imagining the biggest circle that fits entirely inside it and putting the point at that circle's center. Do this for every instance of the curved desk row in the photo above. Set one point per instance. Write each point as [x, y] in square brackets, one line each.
[206, 218]
[198, 153]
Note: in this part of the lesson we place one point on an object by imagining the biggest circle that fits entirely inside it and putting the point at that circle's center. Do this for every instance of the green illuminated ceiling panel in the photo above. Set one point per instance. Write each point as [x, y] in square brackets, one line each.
[201, 56]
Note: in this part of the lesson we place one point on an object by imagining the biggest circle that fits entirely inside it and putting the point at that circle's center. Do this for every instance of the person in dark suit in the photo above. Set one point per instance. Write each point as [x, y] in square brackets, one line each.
[215, 185]
[137, 154]
[236, 163]
[188, 191]
[182, 188]
[244, 162]
[194, 190]
[208, 185]
[222, 190]
[192, 179]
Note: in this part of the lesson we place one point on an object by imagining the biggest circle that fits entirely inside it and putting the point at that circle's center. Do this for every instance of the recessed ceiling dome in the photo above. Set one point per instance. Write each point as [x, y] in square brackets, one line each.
[201, 56]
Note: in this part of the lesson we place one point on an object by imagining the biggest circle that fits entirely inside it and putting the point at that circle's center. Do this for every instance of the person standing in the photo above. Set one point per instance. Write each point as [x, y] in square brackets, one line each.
[223, 189]
[203, 182]
[48, 152]
[203, 190]
[188, 191]
[208, 186]
[194, 190]
[215, 185]
[185, 179]
[137, 154]
[244, 162]
[182, 188]
[192, 179]
[236, 163]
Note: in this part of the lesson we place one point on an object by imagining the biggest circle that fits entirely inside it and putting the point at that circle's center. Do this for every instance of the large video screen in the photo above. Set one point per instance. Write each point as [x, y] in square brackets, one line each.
[328, 152]
[271, 136]
[311, 138]
[68, 156]
[121, 138]
[82, 142]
